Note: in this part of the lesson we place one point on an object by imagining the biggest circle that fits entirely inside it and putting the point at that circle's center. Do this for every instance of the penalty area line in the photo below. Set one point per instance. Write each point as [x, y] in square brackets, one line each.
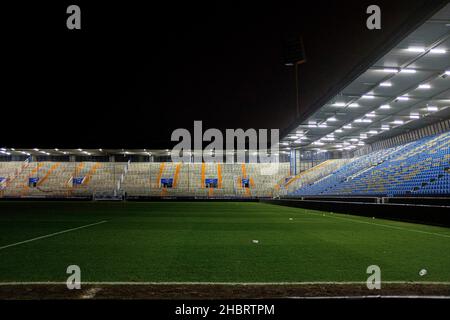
[52, 235]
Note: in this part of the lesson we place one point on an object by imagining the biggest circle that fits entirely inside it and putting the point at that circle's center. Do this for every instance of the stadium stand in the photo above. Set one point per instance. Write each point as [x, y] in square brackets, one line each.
[416, 168]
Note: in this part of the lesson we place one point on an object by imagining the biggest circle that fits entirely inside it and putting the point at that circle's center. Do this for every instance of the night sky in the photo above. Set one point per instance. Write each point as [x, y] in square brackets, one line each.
[134, 73]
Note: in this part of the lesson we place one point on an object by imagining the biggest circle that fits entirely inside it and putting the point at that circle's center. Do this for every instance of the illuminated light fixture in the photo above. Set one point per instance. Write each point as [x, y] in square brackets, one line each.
[353, 105]
[346, 143]
[371, 114]
[12, 149]
[390, 70]
[354, 140]
[56, 149]
[36, 149]
[358, 120]
[372, 132]
[332, 119]
[440, 51]
[360, 143]
[339, 130]
[398, 122]
[367, 120]
[385, 106]
[403, 98]
[284, 143]
[322, 125]
[385, 84]
[414, 115]
[101, 150]
[328, 139]
[408, 71]
[432, 108]
[363, 136]
[339, 146]
[80, 149]
[424, 86]
[318, 143]
[339, 104]
[416, 49]
[385, 127]
[298, 141]
[447, 72]
[293, 137]
[347, 126]
[64, 152]
[367, 96]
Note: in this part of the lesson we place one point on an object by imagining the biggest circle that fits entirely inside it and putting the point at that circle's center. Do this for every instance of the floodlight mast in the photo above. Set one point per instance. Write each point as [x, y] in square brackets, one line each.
[294, 56]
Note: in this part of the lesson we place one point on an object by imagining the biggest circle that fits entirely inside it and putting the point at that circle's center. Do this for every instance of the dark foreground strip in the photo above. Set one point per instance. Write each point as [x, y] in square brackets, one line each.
[220, 291]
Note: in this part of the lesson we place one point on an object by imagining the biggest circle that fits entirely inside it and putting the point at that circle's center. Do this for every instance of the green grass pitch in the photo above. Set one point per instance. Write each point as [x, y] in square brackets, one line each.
[212, 242]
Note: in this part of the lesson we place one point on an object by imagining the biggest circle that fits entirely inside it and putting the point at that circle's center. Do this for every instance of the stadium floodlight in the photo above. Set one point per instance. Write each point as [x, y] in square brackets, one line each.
[416, 49]
[347, 126]
[284, 143]
[390, 70]
[367, 120]
[101, 150]
[372, 132]
[318, 143]
[371, 114]
[56, 149]
[386, 84]
[323, 125]
[385, 127]
[424, 86]
[368, 96]
[353, 105]
[408, 71]
[36, 149]
[332, 119]
[438, 51]
[403, 98]
[414, 115]
[385, 106]
[339, 130]
[354, 140]
[80, 149]
[363, 136]
[447, 72]
[359, 120]
[398, 122]
[432, 108]
[339, 104]
[294, 137]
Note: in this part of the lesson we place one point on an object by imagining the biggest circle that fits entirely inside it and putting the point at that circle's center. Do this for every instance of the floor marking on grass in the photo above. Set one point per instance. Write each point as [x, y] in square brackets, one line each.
[371, 297]
[162, 283]
[384, 225]
[52, 234]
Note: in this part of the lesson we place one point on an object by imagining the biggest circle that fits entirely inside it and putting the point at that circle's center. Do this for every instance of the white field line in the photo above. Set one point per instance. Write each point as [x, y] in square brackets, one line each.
[383, 225]
[370, 297]
[162, 283]
[52, 235]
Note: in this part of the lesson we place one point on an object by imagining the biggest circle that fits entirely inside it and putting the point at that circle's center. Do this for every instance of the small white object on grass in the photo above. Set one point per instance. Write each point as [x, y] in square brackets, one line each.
[255, 241]
[291, 219]
[423, 272]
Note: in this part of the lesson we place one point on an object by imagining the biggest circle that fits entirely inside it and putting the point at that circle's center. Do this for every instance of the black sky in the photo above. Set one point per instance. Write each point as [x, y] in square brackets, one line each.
[136, 72]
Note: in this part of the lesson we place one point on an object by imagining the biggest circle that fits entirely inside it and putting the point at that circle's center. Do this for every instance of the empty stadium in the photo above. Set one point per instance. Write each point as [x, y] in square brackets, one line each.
[362, 179]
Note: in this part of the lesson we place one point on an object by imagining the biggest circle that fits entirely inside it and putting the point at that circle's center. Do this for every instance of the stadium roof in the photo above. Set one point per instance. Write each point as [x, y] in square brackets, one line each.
[407, 88]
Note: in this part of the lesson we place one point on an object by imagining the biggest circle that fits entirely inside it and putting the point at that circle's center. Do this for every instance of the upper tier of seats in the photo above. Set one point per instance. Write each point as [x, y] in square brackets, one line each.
[416, 168]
